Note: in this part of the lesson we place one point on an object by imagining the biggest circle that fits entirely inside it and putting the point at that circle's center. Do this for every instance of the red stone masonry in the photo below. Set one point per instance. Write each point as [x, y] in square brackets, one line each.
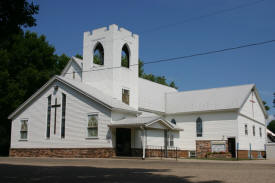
[64, 152]
[89, 153]
[203, 147]
[243, 154]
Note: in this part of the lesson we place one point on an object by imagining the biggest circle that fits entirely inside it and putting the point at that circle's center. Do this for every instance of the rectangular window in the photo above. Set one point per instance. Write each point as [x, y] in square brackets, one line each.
[253, 129]
[260, 131]
[92, 125]
[192, 154]
[245, 130]
[49, 116]
[199, 127]
[24, 130]
[63, 115]
[125, 96]
[171, 140]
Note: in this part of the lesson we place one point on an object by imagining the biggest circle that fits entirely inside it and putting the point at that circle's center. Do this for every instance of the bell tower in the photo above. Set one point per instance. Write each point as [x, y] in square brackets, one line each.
[110, 63]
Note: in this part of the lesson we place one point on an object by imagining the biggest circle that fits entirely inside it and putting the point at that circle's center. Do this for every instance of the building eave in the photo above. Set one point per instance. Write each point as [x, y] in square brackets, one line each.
[204, 111]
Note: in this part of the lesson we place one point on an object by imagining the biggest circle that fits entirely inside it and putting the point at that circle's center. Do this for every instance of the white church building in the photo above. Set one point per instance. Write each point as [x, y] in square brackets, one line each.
[99, 107]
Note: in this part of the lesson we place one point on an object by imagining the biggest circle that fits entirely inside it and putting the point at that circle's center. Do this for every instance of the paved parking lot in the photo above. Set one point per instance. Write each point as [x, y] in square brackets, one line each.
[134, 170]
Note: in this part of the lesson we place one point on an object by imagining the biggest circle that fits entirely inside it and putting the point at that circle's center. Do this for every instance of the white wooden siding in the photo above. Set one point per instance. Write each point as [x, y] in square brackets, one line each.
[248, 108]
[257, 119]
[77, 110]
[74, 68]
[155, 137]
[257, 142]
[216, 126]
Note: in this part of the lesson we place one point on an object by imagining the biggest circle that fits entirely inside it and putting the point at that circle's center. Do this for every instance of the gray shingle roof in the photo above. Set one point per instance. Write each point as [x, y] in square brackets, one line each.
[87, 90]
[208, 99]
[96, 94]
[143, 120]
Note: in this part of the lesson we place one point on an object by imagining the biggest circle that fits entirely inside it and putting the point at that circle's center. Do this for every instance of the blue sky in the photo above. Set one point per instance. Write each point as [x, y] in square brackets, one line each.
[63, 22]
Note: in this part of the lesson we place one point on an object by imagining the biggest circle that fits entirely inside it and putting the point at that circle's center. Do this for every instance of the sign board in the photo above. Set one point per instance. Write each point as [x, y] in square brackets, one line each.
[218, 146]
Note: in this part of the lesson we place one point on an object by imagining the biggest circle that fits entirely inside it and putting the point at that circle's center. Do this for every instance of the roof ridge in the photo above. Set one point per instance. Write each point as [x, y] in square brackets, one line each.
[157, 83]
[223, 87]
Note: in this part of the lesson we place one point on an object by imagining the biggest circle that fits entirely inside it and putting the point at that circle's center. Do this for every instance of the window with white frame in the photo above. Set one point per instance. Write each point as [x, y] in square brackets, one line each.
[92, 125]
[24, 129]
[245, 129]
[253, 130]
[125, 96]
[171, 140]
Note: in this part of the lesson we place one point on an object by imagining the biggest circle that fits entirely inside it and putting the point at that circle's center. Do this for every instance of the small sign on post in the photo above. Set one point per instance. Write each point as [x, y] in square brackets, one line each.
[237, 150]
[250, 151]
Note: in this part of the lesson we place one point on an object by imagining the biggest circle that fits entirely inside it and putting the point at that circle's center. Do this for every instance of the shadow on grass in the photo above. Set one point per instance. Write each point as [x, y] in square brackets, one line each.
[74, 174]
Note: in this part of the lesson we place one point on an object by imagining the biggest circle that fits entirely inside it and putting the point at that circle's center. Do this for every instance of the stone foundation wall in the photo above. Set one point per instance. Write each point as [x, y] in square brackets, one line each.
[203, 147]
[243, 154]
[64, 152]
[217, 156]
[160, 153]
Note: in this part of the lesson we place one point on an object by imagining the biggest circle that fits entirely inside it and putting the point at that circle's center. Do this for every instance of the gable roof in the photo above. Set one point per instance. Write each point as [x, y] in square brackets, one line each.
[225, 98]
[152, 95]
[144, 121]
[75, 60]
[87, 90]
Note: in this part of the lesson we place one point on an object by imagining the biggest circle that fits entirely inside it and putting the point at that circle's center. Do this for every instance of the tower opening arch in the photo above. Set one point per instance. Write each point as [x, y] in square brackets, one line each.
[98, 54]
[125, 56]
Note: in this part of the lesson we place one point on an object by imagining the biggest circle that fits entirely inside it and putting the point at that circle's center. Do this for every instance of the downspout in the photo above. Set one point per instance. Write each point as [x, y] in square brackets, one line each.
[143, 142]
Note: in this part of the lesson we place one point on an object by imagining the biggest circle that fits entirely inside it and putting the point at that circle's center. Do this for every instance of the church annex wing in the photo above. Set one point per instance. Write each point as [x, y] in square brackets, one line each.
[214, 99]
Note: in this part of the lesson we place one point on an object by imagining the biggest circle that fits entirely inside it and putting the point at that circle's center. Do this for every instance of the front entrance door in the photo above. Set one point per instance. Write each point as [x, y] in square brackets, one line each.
[232, 147]
[123, 142]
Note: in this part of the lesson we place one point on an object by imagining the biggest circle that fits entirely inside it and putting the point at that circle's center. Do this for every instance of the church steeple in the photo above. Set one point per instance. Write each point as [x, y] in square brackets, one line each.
[110, 62]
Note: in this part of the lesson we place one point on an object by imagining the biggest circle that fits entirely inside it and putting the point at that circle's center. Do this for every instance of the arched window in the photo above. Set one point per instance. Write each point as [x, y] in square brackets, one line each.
[99, 54]
[125, 56]
[173, 121]
[199, 127]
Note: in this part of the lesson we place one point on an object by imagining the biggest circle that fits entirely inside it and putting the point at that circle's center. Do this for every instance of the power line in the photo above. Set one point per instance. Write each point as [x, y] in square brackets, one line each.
[244, 5]
[188, 56]
[195, 18]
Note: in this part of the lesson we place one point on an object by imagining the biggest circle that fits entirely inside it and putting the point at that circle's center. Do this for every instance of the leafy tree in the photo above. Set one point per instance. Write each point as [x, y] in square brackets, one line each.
[28, 64]
[79, 56]
[266, 106]
[98, 60]
[140, 68]
[271, 126]
[14, 15]
[173, 85]
[151, 77]
[124, 61]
